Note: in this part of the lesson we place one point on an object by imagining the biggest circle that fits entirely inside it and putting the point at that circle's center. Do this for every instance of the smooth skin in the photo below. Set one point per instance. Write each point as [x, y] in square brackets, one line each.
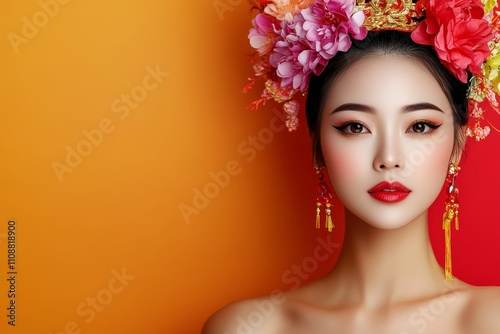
[385, 119]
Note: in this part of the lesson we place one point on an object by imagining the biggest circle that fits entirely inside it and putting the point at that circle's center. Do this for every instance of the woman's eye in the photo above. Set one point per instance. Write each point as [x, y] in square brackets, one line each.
[422, 127]
[352, 128]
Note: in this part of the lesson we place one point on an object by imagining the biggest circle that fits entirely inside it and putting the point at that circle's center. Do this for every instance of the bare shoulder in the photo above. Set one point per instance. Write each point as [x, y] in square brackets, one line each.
[482, 311]
[256, 316]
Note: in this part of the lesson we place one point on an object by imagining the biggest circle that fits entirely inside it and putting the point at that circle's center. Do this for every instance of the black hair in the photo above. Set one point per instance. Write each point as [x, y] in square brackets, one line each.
[385, 42]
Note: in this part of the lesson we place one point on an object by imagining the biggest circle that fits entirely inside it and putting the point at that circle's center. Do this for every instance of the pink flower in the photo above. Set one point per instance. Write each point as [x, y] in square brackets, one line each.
[315, 35]
[262, 34]
[329, 23]
[458, 32]
[293, 57]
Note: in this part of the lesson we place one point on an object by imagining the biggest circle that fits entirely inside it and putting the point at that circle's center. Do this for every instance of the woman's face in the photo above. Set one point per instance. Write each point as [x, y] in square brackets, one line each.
[386, 121]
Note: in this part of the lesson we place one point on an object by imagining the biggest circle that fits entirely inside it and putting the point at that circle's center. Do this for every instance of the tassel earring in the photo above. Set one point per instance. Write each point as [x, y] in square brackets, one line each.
[450, 214]
[324, 198]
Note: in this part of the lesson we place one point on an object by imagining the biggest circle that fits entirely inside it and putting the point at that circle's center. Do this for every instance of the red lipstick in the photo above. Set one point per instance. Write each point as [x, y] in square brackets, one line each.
[389, 192]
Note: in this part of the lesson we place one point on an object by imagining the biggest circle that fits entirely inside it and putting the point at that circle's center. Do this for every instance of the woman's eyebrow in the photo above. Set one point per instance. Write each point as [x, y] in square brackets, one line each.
[369, 109]
[354, 107]
[421, 106]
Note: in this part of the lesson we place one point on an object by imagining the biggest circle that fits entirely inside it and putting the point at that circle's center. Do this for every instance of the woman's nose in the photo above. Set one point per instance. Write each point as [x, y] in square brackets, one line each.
[388, 155]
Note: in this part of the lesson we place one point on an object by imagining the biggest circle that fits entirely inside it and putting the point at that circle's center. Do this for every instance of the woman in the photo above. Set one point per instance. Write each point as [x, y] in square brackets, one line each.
[385, 99]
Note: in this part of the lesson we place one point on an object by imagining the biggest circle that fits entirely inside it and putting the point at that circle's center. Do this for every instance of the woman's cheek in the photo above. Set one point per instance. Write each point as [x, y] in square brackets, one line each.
[435, 150]
[346, 163]
[436, 166]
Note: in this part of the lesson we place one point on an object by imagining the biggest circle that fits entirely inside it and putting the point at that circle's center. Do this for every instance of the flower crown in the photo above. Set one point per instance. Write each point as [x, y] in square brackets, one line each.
[295, 38]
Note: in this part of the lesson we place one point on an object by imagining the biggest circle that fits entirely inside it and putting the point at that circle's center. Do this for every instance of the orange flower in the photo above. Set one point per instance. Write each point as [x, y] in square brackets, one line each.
[286, 9]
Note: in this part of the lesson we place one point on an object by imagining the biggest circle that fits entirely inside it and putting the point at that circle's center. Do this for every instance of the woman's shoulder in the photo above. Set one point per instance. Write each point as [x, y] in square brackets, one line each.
[477, 309]
[482, 310]
[257, 316]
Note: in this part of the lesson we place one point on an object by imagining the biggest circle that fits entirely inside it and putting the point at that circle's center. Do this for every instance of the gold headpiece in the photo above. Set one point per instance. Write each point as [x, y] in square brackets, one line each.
[294, 39]
[399, 15]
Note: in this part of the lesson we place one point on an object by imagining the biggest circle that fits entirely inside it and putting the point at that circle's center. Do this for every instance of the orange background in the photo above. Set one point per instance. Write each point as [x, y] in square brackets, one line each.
[116, 210]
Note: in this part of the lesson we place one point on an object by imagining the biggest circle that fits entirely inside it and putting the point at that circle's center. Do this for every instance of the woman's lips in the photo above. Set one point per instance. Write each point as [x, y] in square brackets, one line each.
[389, 192]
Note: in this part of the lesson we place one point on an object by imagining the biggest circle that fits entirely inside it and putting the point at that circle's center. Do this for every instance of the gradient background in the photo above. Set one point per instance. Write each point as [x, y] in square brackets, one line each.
[118, 209]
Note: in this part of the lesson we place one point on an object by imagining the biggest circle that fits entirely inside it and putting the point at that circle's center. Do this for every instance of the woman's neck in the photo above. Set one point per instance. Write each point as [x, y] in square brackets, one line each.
[379, 267]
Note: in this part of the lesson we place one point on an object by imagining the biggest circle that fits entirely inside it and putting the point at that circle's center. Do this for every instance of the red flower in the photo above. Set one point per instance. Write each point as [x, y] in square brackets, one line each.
[458, 32]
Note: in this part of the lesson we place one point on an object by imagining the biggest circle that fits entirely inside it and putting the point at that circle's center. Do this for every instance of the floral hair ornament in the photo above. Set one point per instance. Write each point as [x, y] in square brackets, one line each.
[295, 38]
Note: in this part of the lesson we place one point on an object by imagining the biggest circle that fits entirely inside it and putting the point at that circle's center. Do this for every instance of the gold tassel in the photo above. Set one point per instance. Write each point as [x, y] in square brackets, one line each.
[450, 214]
[318, 218]
[329, 222]
[324, 197]
[447, 248]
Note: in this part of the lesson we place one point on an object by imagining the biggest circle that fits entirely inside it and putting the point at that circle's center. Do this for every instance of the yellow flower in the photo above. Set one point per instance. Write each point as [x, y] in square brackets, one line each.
[492, 71]
[488, 5]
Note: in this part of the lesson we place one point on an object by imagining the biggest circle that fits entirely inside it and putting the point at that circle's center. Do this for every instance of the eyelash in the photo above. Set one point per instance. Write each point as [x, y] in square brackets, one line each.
[344, 126]
[432, 126]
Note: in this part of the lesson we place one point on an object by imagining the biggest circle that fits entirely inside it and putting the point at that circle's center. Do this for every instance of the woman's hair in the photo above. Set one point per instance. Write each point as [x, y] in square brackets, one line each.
[386, 42]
